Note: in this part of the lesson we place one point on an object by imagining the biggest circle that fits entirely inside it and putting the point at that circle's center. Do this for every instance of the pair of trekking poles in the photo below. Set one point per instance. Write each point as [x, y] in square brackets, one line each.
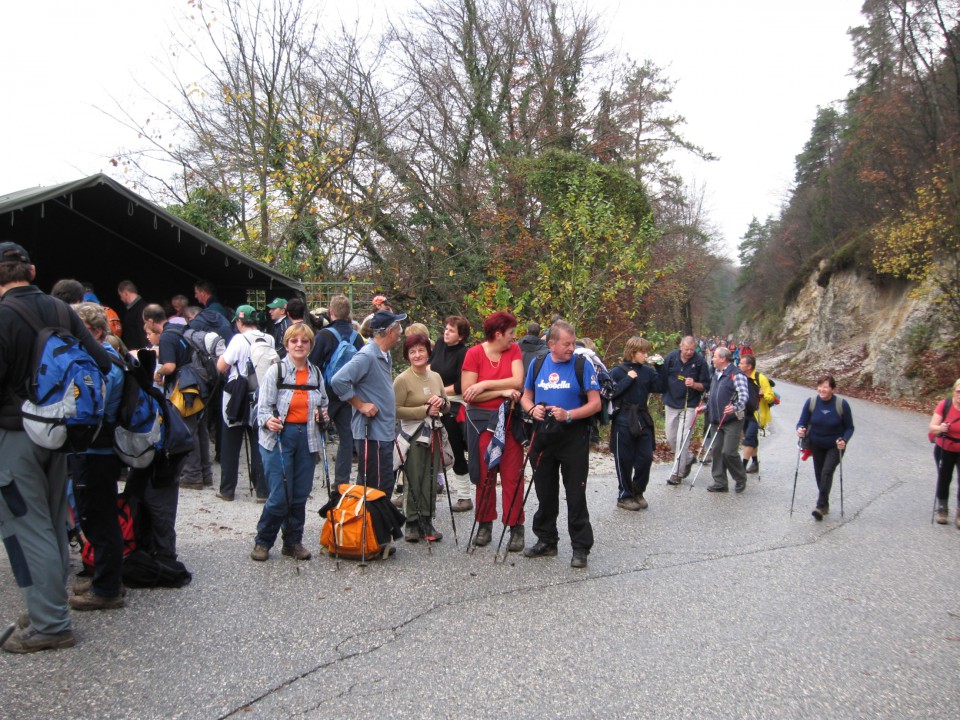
[800, 449]
[436, 452]
[490, 483]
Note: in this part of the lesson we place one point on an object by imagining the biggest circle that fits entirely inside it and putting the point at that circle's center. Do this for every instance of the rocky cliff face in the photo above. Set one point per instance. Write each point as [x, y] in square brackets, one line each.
[863, 335]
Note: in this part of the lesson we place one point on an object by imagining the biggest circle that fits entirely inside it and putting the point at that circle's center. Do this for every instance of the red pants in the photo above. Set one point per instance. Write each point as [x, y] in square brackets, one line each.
[511, 483]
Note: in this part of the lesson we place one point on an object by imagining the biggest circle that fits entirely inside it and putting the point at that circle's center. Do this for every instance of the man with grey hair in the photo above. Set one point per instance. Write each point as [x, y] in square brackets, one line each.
[728, 396]
[366, 383]
[687, 376]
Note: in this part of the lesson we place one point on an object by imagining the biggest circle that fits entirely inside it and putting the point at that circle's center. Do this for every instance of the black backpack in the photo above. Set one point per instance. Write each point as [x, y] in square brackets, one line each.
[753, 401]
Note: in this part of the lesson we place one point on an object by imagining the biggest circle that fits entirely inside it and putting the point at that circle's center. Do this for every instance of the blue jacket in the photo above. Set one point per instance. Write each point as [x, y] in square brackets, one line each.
[369, 376]
[824, 426]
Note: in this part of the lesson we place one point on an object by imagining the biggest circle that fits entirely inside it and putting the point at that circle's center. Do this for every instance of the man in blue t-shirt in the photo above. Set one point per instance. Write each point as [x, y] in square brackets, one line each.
[554, 390]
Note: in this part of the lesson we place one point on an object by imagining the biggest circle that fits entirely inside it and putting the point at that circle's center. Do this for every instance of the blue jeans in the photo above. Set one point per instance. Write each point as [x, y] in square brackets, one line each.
[289, 469]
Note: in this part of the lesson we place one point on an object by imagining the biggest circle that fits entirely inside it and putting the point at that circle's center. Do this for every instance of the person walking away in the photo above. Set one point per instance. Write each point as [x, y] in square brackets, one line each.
[291, 405]
[728, 396]
[632, 435]
[233, 362]
[95, 474]
[532, 345]
[133, 335]
[758, 420]
[33, 482]
[366, 383]
[340, 411]
[557, 392]
[945, 426]
[492, 375]
[687, 377]
[826, 426]
[447, 361]
[420, 399]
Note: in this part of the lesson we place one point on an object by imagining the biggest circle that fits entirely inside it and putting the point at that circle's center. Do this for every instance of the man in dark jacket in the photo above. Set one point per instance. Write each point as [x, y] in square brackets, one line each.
[340, 412]
[687, 376]
[728, 396]
[532, 345]
[33, 485]
[133, 336]
[206, 294]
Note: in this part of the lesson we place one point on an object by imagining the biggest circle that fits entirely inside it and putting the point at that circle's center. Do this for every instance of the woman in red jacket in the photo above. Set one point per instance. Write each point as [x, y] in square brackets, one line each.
[945, 425]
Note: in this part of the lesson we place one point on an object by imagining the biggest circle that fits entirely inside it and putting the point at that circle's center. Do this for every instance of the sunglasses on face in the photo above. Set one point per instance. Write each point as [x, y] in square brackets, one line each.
[298, 341]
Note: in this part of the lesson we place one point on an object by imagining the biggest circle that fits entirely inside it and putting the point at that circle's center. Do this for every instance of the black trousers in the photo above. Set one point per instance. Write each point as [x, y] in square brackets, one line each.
[458, 442]
[825, 462]
[95, 480]
[230, 450]
[569, 457]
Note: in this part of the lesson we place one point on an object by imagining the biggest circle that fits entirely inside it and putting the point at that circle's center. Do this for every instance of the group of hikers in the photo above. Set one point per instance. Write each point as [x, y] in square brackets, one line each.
[283, 386]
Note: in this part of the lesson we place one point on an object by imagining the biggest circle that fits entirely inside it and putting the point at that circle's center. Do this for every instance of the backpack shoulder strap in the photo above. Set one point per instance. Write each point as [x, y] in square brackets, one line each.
[811, 404]
[838, 404]
[537, 367]
[337, 335]
[579, 362]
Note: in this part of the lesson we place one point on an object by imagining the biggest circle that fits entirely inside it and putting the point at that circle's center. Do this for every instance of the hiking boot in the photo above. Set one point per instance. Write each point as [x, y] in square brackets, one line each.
[484, 534]
[192, 485]
[397, 501]
[942, 515]
[91, 601]
[753, 466]
[82, 584]
[463, 505]
[431, 533]
[642, 502]
[717, 487]
[259, 552]
[23, 620]
[297, 551]
[628, 504]
[516, 539]
[818, 513]
[225, 498]
[686, 473]
[674, 479]
[579, 559]
[28, 640]
[411, 533]
[541, 549]
[740, 486]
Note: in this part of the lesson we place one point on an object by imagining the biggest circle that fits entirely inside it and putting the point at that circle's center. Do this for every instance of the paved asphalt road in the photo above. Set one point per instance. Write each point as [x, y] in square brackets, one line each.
[707, 606]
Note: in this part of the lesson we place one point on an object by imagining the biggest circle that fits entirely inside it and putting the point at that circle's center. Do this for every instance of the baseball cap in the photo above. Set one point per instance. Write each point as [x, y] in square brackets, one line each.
[277, 303]
[383, 319]
[10, 251]
[245, 312]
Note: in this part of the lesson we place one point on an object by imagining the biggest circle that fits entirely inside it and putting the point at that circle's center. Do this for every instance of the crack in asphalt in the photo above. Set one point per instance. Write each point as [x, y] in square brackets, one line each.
[393, 633]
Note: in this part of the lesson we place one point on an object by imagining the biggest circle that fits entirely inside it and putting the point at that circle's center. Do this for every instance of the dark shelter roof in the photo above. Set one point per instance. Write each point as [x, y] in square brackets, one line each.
[99, 231]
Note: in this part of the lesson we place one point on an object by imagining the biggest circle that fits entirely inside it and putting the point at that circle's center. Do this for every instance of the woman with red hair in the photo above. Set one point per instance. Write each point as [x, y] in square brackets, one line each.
[493, 375]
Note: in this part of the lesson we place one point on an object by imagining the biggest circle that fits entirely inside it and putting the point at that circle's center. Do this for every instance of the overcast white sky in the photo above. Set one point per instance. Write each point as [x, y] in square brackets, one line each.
[749, 76]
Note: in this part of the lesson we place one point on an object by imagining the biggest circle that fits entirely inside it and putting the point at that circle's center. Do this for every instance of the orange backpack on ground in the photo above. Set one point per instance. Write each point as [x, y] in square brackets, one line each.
[343, 529]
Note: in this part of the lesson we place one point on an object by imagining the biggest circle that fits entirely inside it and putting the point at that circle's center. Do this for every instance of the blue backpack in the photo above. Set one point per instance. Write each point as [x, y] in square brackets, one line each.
[139, 427]
[66, 391]
[342, 354]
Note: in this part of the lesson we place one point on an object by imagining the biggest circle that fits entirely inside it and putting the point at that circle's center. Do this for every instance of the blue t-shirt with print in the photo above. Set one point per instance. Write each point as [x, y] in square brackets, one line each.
[557, 383]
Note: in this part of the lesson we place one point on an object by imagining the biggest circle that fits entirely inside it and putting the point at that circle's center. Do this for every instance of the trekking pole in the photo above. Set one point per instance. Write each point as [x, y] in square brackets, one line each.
[516, 492]
[7, 633]
[841, 480]
[408, 486]
[674, 470]
[326, 466]
[705, 450]
[689, 435]
[283, 467]
[366, 471]
[446, 483]
[795, 474]
[246, 452]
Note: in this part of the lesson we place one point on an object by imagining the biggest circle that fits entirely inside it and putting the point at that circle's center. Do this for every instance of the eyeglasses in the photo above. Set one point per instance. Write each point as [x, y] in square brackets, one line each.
[299, 341]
